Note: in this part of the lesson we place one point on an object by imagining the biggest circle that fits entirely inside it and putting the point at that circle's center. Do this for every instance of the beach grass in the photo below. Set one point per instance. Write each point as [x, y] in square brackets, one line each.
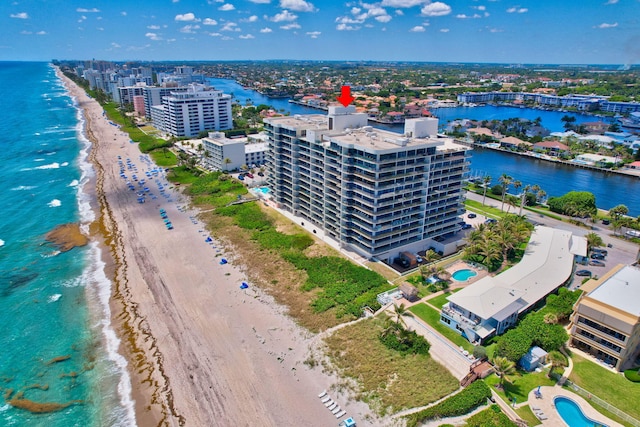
[611, 387]
[386, 380]
[432, 318]
[527, 415]
[164, 158]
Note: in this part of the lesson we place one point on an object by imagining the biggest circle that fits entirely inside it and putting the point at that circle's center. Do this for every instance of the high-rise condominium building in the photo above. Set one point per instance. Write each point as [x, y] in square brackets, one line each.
[199, 108]
[373, 191]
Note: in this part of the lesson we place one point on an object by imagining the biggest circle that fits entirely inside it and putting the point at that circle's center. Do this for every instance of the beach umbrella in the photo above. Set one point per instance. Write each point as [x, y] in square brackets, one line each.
[223, 261]
[244, 285]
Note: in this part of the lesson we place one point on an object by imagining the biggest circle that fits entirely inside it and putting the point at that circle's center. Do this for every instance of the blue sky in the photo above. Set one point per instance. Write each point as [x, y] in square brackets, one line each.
[506, 31]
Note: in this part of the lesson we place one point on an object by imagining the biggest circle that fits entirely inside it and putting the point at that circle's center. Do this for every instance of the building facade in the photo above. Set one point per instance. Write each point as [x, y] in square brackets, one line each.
[199, 108]
[606, 319]
[229, 154]
[373, 191]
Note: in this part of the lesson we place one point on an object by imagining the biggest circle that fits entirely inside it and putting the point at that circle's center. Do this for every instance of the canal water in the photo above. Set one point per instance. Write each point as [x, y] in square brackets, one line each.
[555, 179]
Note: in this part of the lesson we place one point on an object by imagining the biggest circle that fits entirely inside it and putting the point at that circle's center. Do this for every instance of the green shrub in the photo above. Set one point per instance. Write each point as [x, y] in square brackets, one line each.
[490, 417]
[395, 337]
[462, 403]
[633, 375]
[574, 203]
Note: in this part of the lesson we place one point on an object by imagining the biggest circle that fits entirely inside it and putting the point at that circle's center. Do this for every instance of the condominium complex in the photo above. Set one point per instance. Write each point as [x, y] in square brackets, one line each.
[373, 191]
[228, 154]
[492, 304]
[606, 319]
[187, 113]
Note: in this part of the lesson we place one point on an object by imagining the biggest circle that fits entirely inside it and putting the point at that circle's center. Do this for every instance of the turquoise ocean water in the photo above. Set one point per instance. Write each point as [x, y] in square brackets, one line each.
[52, 305]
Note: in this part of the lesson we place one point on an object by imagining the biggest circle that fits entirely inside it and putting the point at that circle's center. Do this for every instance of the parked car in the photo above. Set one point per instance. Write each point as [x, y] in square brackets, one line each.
[419, 258]
[606, 222]
[249, 175]
[466, 226]
[584, 273]
[260, 173]
[490, 221]
[596, 263]
[241, 177]
[597, 255]
[600, 251]
[471, 215]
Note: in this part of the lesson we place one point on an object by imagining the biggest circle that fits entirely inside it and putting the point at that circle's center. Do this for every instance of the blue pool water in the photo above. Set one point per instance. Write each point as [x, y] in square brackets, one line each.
[571, 413]
[464, 274]
[262, 190]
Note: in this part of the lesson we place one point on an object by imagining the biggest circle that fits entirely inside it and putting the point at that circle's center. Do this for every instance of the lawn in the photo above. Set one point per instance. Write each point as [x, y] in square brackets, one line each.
[441, 300]
[385, 379]
[485, 210]
[612, 388]
[432, 317]
[527, 414]
[522, 384]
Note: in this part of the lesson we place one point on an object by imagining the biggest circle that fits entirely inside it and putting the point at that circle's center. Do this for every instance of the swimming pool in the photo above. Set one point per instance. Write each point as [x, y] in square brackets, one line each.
[262, 190]
[572, 415]
[463, 275]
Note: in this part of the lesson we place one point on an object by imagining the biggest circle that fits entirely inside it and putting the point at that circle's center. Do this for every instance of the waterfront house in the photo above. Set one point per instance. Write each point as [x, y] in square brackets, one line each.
[552, 147]
[513, 143]
[595, 160]
[493, 304]
[598, 127]
[606, 318]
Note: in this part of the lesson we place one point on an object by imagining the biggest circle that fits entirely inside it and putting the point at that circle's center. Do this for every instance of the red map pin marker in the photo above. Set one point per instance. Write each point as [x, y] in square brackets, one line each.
[345, 97]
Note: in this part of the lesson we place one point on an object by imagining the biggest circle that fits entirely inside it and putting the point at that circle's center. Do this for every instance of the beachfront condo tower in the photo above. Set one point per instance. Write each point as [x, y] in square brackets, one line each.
[196, 109]
[372, 191]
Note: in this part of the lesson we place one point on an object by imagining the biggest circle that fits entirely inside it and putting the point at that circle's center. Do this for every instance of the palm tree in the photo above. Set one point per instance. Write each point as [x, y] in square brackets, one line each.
[226, 162]
[505, 180]
[485, 184]
[399, 311]
[512, 201]
[504, 368]
[551, 318]
[523, 198]
[593, 240]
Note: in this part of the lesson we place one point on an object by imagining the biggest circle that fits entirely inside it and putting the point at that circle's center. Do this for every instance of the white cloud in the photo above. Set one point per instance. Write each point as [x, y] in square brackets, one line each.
[297, 5]
[252, 18]
[41, 33]
[84, 10]
[115, 45]
[399, 12]
[230, 26]
[436, 9]
[82, 18]
[175, 1]
[314, 34]
[480, 7]
[605, 25]
[346, 27]
[21, 15]
[153, 36]
[246, 37]
[402, 3]
[383, 18]
[611, 2]
[25, 32]
[260, 1]
[214, 34]
[189, 29]
[100, 28]
[495, 30]
[517, 9]
[123, 13]
[153, 27]
[209, 21]
[185, 17]
[284, 16]
[225, 38]
[227, 7]
[291, 26]
[266, 30]
[463, 16]
[444, 30]
[418, 29]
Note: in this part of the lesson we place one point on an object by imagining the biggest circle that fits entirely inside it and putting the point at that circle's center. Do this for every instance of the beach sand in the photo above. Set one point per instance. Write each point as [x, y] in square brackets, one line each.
[201, 351]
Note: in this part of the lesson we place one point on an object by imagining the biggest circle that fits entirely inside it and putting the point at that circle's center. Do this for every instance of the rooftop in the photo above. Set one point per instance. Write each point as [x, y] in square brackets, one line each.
[621, 291]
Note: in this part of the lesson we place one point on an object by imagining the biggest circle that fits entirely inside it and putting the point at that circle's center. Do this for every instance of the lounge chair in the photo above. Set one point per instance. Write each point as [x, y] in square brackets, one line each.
[328, 403]
[323, 394]
[336, 410]
[341, 414]
[534, 408]
[542, 417]
[325, 399]
[332, 406]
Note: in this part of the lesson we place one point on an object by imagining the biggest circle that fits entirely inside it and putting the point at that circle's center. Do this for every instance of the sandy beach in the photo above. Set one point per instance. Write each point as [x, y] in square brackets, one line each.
[201, 351]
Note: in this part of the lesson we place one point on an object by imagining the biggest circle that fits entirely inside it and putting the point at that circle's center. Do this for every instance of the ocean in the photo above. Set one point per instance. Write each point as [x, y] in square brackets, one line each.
[59, 352]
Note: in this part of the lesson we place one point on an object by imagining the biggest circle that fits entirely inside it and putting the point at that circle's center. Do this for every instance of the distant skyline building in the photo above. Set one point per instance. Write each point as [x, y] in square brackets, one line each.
[187, 113]
[373, 191]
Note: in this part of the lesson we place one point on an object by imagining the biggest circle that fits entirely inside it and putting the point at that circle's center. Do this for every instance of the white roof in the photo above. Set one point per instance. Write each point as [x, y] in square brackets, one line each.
[546, 264]
[621, 291]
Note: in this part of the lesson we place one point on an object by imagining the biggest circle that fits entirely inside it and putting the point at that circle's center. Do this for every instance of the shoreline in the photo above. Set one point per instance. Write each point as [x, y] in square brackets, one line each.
[201, 351]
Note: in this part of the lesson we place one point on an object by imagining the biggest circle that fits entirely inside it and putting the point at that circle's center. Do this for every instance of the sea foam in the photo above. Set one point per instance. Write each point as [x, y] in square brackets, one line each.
[54, 203]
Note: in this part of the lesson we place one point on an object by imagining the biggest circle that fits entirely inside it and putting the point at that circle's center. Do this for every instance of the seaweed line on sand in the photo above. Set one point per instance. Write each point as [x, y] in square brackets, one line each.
[133, 325]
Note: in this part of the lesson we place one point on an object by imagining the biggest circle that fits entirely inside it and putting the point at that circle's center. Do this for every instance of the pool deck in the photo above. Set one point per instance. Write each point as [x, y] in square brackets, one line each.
[546, 405]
